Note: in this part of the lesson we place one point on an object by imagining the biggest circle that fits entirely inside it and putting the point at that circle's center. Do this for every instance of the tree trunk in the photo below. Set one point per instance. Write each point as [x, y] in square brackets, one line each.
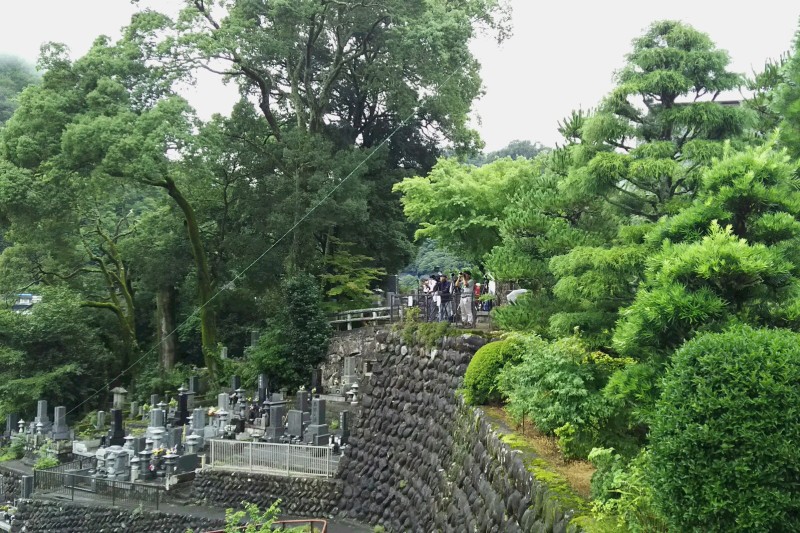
[165, 319]
[208, 318]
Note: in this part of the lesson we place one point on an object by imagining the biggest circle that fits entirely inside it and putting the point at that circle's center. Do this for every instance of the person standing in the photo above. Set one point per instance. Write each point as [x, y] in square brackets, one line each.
[445, 308]
[468, 285]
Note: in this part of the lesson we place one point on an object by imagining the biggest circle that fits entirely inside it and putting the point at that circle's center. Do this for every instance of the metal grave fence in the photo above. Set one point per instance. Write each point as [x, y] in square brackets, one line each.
[281, 459]
[69, 484]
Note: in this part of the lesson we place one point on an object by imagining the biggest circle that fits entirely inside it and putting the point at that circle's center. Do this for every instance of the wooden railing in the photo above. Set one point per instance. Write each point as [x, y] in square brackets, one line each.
[363, 317]
[280, 459]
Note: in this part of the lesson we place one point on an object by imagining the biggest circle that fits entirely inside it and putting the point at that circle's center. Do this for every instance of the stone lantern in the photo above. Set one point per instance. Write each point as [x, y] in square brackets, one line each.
[120, 397]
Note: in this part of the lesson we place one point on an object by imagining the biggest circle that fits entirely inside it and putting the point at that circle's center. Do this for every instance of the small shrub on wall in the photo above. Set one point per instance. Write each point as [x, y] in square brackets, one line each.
[480, 380]
[726, 434]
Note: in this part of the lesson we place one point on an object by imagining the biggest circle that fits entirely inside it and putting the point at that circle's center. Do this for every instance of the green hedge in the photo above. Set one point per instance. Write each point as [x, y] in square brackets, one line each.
[726, 434]
[480, 380]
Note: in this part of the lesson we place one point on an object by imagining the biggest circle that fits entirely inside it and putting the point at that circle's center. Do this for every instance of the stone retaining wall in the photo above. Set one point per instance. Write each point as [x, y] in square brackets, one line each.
[41, 516]
[308, 497]
[423, 461]
[10, 483]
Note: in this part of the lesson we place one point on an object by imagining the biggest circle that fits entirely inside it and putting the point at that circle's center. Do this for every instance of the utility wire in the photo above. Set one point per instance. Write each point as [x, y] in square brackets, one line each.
[273, 245]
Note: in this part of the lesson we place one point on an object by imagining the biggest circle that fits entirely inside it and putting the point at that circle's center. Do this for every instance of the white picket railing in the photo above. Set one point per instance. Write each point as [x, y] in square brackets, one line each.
[264, 457]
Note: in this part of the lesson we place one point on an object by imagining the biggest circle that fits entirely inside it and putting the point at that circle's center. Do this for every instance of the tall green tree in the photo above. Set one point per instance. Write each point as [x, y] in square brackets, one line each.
[52, 353]
[15, 75]
[662, 123]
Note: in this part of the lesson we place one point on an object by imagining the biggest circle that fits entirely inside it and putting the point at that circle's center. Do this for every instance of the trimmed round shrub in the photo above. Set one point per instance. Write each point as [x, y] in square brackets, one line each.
[480, 380]
[726, 434]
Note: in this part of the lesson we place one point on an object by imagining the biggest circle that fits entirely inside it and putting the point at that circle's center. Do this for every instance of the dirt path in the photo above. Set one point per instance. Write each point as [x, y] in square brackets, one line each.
[578, 474]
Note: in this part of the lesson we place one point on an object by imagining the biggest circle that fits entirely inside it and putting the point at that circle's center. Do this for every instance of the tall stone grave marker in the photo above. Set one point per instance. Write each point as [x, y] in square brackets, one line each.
[275, 430]
[263, 388]
[295, 421]
[60, 429]
[317, 425]
[12, 421]
[303, 400]
[344, 425]
[117, 432]
[43, 424]
[349, 375]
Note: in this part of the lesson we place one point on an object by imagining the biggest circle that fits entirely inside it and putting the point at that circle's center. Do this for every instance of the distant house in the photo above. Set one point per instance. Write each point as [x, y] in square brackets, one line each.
[25, 302]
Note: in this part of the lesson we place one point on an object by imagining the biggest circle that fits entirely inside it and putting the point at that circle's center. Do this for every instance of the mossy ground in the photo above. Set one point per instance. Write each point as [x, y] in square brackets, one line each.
[569, 480]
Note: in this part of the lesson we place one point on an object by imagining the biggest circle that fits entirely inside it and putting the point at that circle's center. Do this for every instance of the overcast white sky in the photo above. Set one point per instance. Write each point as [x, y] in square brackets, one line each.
[562, 55]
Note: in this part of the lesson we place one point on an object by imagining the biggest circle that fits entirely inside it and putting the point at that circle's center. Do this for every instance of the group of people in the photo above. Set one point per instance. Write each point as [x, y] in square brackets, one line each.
[450, 299]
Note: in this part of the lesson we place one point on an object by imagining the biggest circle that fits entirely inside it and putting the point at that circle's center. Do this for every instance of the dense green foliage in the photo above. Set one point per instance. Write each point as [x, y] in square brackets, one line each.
[156, 223]
[54, 352]
[669, 215]
[295, 340]
[480, 379]
[15, 75]
[727, 418]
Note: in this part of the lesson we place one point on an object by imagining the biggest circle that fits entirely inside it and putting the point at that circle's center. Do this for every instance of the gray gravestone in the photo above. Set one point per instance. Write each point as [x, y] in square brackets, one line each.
[12, 421]
[349, 375]
[236, 382]
[344, 425]
[183, 410]
[41, 411]
[277, 397]
[321, 440]
[223, 401]
[117, 432]
[26, 488]
[134, 409]
[138, 444]
[60, 428]
[198, 419]
[154, 399]
[303, 400]
[275, 429]
[317, 411]
[157, 418]
[175, 436]
[43, 425]
[316, 381]
[187, 463]
[263, 388]
[101, 419]
[295, 423]
[194, 384]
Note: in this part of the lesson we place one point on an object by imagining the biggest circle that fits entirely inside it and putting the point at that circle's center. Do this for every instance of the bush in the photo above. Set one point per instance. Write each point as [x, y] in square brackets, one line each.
[551, 384]
[480, 380]
[621, 495]
[45, 461]
[726, 434]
